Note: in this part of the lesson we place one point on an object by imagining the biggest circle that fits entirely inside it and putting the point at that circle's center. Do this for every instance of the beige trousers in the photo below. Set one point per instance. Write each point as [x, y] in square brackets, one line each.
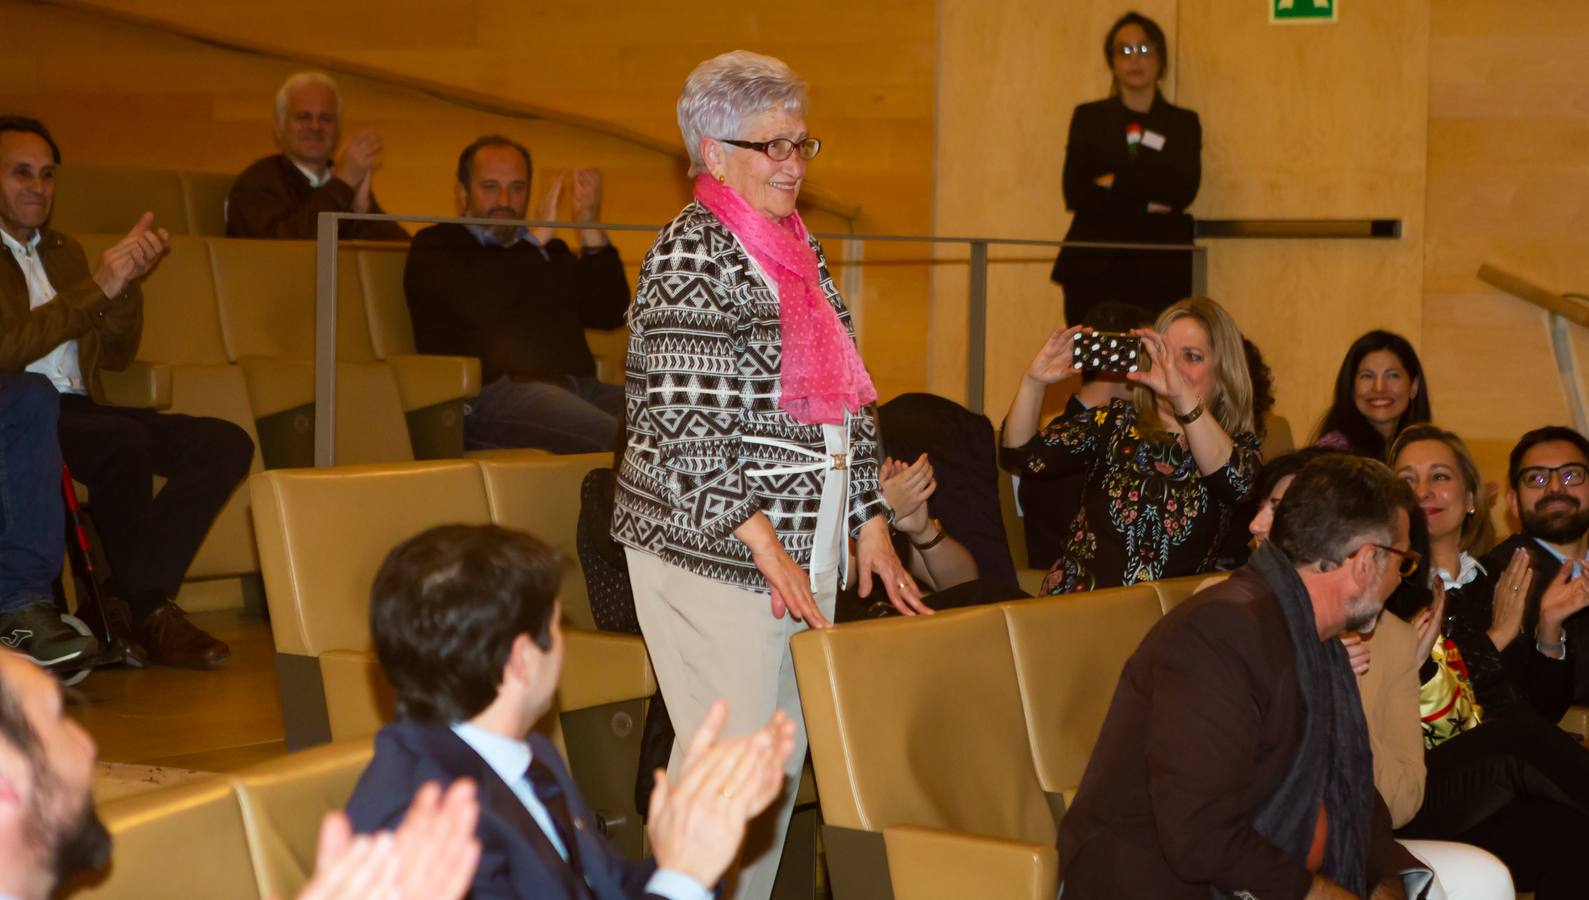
[711, 641]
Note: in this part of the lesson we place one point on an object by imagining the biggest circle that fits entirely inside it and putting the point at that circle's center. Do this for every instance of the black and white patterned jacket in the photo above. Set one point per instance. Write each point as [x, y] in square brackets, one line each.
[701, 376]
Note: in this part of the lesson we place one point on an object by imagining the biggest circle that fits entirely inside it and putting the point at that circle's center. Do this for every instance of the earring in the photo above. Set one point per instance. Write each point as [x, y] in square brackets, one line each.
[722, 179]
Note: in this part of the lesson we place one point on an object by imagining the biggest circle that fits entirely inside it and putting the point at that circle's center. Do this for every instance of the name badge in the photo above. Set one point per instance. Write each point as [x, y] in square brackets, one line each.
[1153, 140]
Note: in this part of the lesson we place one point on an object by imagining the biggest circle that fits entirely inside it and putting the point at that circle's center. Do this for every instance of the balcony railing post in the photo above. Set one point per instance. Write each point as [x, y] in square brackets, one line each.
[1567, 367]
[977, 327]
[325, 341]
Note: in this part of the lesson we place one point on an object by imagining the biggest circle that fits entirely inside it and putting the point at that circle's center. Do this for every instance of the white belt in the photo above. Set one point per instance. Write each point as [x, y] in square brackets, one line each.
[819, 461]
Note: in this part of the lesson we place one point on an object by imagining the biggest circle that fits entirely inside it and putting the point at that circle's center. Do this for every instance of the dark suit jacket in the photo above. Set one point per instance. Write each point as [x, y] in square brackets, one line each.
[516, 859]
[273, 199]
[1518, 679]
[1203, 726]
[107, 329]
[1170, 175]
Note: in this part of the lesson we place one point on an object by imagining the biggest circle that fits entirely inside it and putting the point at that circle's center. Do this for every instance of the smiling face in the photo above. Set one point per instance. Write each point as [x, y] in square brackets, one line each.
[310, 133]
[1134, 70]
[1435, 474]
[27, 183]
[1192, 351]
[771, 188]
[1557, 513]
[1383, 390]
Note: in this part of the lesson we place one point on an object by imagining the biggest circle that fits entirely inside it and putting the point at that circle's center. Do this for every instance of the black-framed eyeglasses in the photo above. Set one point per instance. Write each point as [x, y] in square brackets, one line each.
[1537, 477]
[1126, 51]
[1409, 559]
[780, 149]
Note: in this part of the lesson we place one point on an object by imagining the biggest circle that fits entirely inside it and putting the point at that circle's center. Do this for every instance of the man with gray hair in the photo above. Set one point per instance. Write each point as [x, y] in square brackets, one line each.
[1234, 760]
[282, 195]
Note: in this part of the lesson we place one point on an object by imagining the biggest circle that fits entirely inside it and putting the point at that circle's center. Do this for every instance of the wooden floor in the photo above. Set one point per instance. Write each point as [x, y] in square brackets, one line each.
[212, 721]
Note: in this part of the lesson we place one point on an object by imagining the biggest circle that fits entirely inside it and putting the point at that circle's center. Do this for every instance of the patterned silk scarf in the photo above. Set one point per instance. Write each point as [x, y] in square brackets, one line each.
[821, 374]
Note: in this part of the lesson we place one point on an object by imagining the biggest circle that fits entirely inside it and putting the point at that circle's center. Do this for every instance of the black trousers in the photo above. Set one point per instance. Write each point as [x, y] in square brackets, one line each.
[151, 539]
[1519, 788]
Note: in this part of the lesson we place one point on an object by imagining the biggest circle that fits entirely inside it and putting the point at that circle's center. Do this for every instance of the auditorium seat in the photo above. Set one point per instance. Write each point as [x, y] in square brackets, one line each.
[182, 331]
[1493, 457]
[1173, 591]
[1069, 652]
[434, 387]
[323, 534]
[283, 801]
[1277, 440]
[541, 495]
[918, 724]
[204, 198]
[185, 842]
[95, 200]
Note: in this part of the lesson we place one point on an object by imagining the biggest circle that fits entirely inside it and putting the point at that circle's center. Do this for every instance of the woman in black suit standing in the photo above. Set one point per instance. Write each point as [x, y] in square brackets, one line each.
[1132, 166]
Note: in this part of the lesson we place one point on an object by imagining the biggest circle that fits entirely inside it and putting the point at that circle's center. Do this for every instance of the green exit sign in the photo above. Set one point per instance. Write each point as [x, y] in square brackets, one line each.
[1302, 11]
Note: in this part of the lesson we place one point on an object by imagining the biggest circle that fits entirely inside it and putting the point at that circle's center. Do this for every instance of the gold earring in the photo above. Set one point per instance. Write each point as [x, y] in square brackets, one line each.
[722, 179]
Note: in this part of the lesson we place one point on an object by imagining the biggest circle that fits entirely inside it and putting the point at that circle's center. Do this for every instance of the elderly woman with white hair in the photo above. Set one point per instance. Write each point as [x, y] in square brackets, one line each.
[752, 453]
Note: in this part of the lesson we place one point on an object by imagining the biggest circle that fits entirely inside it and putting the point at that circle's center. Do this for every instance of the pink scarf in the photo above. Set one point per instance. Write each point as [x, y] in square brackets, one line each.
[821, 373]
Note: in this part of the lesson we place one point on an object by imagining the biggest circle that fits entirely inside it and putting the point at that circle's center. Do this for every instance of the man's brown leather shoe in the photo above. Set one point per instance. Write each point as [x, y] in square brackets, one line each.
[117, 618]
[174, 641]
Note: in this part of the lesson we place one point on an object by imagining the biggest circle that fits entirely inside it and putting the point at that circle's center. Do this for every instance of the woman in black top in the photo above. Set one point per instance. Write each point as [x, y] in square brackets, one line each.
[1132, 166]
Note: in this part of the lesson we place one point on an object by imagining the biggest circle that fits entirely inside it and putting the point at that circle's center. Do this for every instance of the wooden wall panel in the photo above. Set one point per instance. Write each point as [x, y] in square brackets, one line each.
[1508, 87]
[1318, 121]
[120, 93]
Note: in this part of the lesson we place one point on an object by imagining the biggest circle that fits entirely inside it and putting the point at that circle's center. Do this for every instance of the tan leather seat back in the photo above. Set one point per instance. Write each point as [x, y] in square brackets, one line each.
[919, 722]
[110, 200]
[266, 291]
[282, 803]
[1175, 591]
[204, 196]
[324, 533]
[1493, 457]
[1277, 440]
[381, 274]
[359, 699]
[540, 495]
[1069, 652]
[186, 842]
[181, 320]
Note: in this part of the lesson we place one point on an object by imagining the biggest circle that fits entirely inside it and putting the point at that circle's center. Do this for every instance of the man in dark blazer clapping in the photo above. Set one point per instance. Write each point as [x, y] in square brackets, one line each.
[465, 623]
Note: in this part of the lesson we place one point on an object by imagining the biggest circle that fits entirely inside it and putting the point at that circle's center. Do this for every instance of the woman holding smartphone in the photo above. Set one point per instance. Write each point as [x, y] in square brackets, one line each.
[1163, 470]
[1133, 163]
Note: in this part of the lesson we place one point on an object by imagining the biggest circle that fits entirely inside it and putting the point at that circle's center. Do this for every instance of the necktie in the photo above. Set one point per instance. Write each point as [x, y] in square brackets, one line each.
[550, 793]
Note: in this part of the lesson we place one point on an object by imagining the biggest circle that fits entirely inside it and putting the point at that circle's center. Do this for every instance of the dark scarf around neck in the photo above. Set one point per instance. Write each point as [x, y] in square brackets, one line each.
[1333, 762]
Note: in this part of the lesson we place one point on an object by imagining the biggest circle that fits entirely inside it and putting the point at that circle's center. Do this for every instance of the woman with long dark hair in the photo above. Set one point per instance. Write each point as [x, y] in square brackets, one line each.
[1133, 162]
[1379, 391]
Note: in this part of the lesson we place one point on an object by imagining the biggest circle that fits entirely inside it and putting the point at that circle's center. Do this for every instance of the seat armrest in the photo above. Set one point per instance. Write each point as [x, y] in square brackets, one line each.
[424, 380]
[142, 385]
[601, 668]
[930, 863]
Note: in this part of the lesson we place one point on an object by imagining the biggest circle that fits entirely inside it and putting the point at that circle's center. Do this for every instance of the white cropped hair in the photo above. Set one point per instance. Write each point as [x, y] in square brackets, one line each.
[725, 91]
[303, 79]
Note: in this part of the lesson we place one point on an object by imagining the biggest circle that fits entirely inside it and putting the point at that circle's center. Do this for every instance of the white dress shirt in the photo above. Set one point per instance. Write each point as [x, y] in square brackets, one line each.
[510, 759]
[59, 365]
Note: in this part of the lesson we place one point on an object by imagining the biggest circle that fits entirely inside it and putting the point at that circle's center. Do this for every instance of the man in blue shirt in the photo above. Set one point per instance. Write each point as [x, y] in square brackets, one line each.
[465, 623]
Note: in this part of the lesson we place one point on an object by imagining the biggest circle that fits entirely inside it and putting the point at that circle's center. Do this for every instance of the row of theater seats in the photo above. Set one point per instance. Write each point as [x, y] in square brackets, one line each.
[229, 332]
[91, 198]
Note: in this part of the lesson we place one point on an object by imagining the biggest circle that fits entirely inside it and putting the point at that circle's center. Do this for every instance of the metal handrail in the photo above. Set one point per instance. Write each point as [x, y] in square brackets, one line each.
[977, 285]
[1562, 309]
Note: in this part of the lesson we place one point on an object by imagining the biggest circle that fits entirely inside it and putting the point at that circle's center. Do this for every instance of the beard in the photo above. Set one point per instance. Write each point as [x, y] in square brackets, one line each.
[82, 846]
[68, 843]
[1565, 522]
[1362, 614]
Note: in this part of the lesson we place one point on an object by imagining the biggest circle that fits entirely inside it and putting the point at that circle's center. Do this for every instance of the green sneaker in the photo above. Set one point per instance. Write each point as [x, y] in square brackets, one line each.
[37, 631]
